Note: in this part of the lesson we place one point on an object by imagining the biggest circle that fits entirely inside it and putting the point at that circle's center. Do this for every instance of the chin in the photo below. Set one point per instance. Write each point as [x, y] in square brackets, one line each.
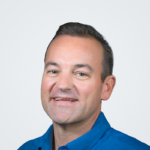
[61, 121]
[60, 118]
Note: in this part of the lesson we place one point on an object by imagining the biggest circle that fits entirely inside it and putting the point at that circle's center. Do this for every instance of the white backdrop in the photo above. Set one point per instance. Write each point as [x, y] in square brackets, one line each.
[26, 28]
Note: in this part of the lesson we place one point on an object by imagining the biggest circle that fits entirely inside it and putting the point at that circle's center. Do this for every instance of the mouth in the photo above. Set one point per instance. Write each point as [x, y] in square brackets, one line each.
[64, 99]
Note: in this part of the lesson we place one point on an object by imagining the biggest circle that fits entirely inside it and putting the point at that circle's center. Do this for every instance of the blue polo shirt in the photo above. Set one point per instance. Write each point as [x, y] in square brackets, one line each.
[100, 137]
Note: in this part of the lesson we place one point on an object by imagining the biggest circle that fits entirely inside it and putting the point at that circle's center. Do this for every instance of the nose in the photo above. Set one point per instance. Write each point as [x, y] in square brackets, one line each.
[64, 82]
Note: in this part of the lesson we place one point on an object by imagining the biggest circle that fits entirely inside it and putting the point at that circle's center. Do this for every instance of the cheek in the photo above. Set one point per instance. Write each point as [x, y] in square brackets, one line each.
[84, 89]
[89, 90]
[46, 86]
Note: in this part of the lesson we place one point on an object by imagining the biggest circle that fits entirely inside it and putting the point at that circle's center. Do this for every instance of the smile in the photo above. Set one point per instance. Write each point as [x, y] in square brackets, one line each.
[64, 99]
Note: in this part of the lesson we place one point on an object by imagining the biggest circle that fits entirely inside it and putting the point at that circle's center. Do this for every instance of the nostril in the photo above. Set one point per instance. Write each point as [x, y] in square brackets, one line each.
[64, 91]
[64, 84]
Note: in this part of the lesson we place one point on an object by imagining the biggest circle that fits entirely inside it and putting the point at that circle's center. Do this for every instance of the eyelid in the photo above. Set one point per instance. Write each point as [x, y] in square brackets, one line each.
[51, 68]
[52, 72]
[85, 76]
[82, 73]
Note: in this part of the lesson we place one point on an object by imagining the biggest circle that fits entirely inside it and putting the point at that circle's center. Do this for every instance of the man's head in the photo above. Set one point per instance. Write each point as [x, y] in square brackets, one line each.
[72, 86]
[82, 30]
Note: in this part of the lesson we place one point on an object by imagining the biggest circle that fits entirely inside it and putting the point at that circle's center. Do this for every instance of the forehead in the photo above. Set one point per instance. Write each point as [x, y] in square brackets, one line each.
[72, 48]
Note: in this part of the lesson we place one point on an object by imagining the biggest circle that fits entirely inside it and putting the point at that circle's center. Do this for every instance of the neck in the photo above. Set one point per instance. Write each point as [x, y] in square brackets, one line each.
[65, 133]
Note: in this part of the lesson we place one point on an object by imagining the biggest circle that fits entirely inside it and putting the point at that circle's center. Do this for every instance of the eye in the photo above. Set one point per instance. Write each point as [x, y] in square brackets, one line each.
[52, 72]
[81, 74]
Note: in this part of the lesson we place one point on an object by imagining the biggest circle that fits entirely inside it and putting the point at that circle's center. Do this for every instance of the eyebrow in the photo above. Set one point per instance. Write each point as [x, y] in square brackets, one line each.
[51, 64]
[83, 66]
[75, 66]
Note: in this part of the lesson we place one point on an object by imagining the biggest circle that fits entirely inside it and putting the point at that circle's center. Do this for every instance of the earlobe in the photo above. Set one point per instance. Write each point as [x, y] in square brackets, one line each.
[108, 86]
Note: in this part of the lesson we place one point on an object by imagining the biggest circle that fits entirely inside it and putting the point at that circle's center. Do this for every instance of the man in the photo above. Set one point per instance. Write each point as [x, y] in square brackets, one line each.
[77, 77]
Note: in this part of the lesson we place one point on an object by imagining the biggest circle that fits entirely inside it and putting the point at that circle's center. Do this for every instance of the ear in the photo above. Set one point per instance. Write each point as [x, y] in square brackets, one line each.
[108, 86]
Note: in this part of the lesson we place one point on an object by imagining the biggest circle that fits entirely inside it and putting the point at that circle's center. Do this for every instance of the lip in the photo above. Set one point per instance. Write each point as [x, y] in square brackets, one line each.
[69, 99]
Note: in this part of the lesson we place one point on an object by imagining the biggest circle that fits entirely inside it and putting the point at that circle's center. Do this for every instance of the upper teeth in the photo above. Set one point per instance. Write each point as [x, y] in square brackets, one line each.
[57, 99]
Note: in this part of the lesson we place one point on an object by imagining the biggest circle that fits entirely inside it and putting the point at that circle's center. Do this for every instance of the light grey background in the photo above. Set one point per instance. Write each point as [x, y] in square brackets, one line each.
[26, 27]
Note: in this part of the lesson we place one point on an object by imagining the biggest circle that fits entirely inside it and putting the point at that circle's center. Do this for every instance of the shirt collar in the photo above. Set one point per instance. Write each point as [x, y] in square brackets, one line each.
[46, 141]
[89, 139]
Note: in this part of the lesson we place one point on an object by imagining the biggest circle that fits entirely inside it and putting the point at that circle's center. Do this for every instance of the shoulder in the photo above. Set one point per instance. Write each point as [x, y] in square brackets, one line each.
[124, 140]
[38, 142]
[31, 144]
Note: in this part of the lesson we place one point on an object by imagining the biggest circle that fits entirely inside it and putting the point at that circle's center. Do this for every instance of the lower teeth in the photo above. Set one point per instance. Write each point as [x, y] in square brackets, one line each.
[59, 99]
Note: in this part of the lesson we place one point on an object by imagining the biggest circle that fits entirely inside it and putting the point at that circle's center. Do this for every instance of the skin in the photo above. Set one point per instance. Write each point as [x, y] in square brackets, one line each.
[73, 72]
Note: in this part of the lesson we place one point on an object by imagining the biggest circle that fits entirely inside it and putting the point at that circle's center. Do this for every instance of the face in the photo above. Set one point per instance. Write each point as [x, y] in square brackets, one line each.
[71, 84]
